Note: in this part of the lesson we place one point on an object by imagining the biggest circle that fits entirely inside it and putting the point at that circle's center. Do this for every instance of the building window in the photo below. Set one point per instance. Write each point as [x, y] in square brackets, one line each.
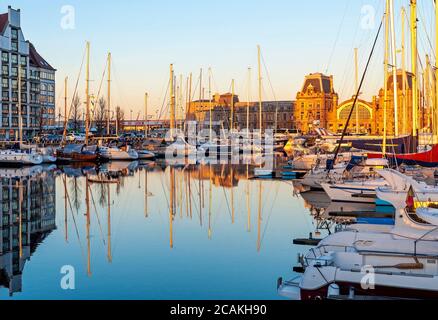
[14, 59]
[14, 34]
[5, 83]
[14, 46]
[5, 57]
[5, 95]
[5, 122]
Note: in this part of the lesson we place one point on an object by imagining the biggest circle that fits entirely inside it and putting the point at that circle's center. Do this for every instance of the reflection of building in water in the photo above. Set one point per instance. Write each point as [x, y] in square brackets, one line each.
[222, 175]
[27, 217]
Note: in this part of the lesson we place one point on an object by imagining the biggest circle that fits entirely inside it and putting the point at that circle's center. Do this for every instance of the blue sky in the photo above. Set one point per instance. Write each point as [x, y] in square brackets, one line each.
[297, 38]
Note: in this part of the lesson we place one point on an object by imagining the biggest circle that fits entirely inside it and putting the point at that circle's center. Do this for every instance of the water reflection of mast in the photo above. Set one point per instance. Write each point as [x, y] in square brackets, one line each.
[232, 196]
[110, 257]
[172, 204]
[259, 223]
[146, 193]
[64, 180]
[87, 203]
[210, 196]
[248, 202]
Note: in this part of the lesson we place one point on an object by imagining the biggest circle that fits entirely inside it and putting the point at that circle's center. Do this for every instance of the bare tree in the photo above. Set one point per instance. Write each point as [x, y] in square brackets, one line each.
[76, 113]
[101, 116]
[120, 117]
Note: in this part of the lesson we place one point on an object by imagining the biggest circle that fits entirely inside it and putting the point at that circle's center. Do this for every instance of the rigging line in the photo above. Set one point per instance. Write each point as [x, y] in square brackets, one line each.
[227, 202]
[97, 216]
[357, 94]
[165, 105]
[73, 97]
[76, 226]
[430, 46]
[422, 19]
[269, 79]
[270, 215]
[338, 36]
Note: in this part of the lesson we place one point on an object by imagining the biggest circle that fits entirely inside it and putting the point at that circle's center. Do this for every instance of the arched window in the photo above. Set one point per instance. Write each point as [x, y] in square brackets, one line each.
[365, 113]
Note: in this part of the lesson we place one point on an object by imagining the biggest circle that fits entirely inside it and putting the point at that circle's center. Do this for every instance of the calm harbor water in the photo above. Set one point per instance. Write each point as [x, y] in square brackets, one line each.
[135, 248]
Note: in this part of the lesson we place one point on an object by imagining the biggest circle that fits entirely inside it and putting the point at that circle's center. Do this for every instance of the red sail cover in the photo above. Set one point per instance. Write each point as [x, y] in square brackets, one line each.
[425, 159]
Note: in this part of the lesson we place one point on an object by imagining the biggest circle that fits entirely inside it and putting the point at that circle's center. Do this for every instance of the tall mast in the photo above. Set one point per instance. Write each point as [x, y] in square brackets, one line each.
[248, 97]
[394, 68]
[260, 90]
[404, 76]
[146, 115]
[414, 59]
[65, 101]
[436, 71]
[172, 102]
[109, 95]
[427, 96]
[210, 104]
[232, 106]
[189, 101]
[356, 77]
[87, 94]
[385, 86]
[180, 111]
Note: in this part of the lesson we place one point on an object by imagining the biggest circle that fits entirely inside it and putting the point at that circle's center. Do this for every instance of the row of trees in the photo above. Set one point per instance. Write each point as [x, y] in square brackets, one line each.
[98, 115]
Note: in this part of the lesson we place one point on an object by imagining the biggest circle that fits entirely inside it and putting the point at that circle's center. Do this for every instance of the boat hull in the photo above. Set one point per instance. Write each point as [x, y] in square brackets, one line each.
[424, 159]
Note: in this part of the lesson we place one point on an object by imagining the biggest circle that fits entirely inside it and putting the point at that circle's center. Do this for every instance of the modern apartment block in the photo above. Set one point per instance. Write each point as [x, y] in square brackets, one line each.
[37, 82]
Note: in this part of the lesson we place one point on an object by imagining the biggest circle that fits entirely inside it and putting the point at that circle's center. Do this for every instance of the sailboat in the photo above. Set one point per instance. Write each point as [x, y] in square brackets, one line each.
[81, 152]
[261, 172]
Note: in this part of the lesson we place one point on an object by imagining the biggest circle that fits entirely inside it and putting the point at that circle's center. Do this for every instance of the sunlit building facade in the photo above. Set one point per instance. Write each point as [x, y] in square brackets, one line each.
[37, 81]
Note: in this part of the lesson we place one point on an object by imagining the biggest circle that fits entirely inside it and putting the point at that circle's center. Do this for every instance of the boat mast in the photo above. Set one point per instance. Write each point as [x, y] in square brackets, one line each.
[403, 53]
[65, 101]
[260, 91]
[356, 76]
[414, 59]
[109, 96]
[210, 103]
[248, 97]
[232, 106]
[172, 103]
[385, 73]
[87, 94]
[436, 71]
[427, 99]
[394, 68]
[146, 115]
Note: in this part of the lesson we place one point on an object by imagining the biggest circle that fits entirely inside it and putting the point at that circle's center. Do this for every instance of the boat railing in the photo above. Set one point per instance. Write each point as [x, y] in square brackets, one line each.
[316, 253]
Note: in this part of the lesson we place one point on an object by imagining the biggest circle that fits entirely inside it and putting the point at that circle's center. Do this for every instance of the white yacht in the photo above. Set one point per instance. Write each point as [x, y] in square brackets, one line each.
[20, 157]
[125, 153]
[377, 262]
